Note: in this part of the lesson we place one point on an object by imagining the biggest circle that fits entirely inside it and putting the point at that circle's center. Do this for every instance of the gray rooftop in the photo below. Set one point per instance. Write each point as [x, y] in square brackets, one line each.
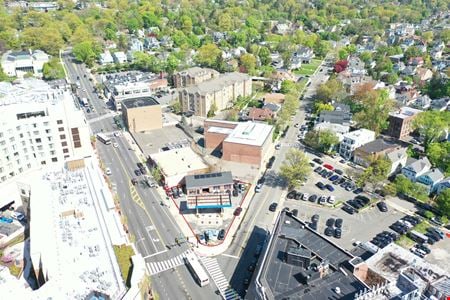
[139, 102]
[281, 280]
[209, 179]
[216, 84]
[377, 146]
[419, 164]
[435, 175]
[336, 117]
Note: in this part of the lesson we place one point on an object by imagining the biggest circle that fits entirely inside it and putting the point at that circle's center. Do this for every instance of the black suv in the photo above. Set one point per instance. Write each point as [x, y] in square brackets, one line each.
[273, 206]
[270, 162]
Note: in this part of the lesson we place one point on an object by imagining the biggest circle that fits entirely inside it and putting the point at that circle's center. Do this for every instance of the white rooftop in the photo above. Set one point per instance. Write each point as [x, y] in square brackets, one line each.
[178, 161]
[359, 133]
[249, 133]
[30, 90]
[72, 231]
[405, 112]
[221, 130]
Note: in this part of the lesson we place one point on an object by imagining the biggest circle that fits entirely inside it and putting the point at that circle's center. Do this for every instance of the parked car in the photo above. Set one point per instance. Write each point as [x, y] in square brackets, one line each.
[298, 196]
[315, 218]
[221, 235]
[137, 172]
[331, 199]
[337, 233]
[237, 211]
[330, 222]
[318, 160]
[322, 200]
[270, 162]
[348, 209]
[273, 206]
[305, 196]
[338, 171]
[312, 198]
[329, 167]
[382, 206]
[334, 178]
[329, 231]
[329, 187]
[291, 194]
[338, 223]
[320, 185]
[318, 169]
[358, 191]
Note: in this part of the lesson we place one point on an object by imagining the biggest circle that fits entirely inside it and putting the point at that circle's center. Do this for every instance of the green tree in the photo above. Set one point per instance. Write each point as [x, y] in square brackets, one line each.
[412, 51]
[212, 110]
[146, 62]
[3, 76]
[342, 54]
[322, 140]
[439, 155]
[406, 187]
[432, 125]
[366, 57]
[443, 202]
[376, 173]
[287, 86]
[264, 56]
[319, 107]
[84, 52]
[376, 106]
[208, 55]
[438, 87]
[186, 24]
[248, 61]
[53, 69]
[225, 22]
[295, 168]
[171, 63]
[330, 90]
[428, 36]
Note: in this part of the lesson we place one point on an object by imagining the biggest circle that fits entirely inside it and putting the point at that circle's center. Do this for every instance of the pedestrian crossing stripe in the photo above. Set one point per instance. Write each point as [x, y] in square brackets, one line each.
[161, 266]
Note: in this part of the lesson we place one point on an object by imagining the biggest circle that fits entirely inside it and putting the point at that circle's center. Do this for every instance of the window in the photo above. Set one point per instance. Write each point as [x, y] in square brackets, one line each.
[18, 128]
[38, 140]
[64, 144]
[66, 156]
[62, 136]
[49, 138]
[76, 137]
[52, 152]
[34, 125]
[54, 159]
[46, 123]
[43, 162]
[65, 150]
[11, 139]
[47, 131]
[40, 147]
[59, 122]
[21, 135]
[61, 129]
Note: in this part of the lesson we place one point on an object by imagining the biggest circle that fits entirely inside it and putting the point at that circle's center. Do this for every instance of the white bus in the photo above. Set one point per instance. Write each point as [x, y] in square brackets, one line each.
[103, 138]
[196, 269]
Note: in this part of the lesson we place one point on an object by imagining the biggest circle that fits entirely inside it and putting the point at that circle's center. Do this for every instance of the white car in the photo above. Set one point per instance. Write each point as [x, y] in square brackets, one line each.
[115, 145]
[305, 196]
[117, 133]
[108, 171]
[277, 146]
[331, 199]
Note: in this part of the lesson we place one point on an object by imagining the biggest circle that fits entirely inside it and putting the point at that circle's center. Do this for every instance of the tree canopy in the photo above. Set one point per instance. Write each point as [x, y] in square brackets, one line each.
[295, 168]
[432, 125]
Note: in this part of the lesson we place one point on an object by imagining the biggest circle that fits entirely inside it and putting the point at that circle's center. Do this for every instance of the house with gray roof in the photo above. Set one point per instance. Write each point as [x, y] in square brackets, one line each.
[417, 168]
[442, 185]
[210, 190]
[431, 178]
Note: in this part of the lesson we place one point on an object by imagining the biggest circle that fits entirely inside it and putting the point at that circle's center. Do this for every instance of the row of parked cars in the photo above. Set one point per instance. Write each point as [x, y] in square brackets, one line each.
[354, 205]
[293, 194]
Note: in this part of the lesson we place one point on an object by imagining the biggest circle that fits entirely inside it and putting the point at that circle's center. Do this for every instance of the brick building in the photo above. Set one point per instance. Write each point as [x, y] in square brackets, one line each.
[245, 142]
[193, 76]
[401, 122]
[142, 114]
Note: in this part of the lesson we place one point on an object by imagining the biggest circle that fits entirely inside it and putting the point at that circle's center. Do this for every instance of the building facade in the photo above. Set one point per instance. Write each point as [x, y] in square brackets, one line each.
[354, 140]
[401, 122]
[39, 126]
[220, 92]
[193, 76]
[142, 114]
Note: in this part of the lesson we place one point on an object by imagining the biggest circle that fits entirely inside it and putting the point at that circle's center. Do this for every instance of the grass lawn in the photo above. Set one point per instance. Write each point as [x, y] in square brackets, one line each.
[302, 83]
[124, 254]
[421, 227]
[405, 242]
[308, 69]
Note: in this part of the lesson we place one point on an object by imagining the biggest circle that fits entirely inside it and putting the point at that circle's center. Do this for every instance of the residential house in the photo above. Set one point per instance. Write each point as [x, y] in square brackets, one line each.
[296, 63]
[135, 45]
[151, 43]
[398, 159]
[306, 54]
[401, 122]
[218, 36]
[440, 104]
[417, 168]
[424, 74]
[110, 45]
[106, 58]
[396, 58]
[281, 28]
[260, 114]
[409, 70]
[221, 91]
[193, 76]
[431, 179]
[436, 52]
[120, 57]
[337, 129]
[399, 66]
[442, 185]
[356, 66]
[370, 151]
[422, 102]
[340, 115]
[416, 61]
[277, 61]
[354, 140]
[275, 108]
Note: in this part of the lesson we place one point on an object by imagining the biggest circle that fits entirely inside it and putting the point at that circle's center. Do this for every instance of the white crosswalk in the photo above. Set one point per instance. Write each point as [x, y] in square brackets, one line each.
[161, 266]
[212, 267]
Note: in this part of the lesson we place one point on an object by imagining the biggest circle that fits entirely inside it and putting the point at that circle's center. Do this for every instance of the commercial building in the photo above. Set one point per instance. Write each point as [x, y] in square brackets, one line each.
[39, 126]
[73, 227]
[193, 76]
[23, 62]
[301, 263]
[401, 122]
[176, 164]
[210, 190]
[220, 92]
[354, 140]
[133, 84]
[142, 114]
[245, 142]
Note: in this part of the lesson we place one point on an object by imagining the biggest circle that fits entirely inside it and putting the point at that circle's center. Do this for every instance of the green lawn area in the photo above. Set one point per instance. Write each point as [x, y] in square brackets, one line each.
[302, 83]
[421, 227]
[124, 254]
[405, 242]
[308, 69]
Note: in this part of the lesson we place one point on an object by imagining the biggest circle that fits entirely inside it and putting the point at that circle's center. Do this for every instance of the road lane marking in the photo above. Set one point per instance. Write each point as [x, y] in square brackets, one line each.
[229, 255]
[154, 254]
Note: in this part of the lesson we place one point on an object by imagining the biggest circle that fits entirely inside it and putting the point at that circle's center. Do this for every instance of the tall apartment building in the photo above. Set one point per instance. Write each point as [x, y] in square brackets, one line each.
[354, 140]
[193, 76]
[401, 122]
[221, 91]
[39, 126]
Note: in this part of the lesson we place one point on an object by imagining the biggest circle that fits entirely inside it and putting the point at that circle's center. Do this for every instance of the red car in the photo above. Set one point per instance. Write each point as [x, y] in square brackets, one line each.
[237, 211]
[329, 167]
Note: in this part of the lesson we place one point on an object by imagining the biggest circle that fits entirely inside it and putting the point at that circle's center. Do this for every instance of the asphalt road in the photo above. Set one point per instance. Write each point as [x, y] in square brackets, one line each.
[149, 221]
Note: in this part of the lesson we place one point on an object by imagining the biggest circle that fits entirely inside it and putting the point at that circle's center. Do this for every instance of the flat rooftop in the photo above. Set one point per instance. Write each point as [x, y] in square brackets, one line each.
[28, 91]
[281, 280]
[208, 179]
[250, 133]
[220, 130]
[405, 112]
[178, 161]
[139, 102]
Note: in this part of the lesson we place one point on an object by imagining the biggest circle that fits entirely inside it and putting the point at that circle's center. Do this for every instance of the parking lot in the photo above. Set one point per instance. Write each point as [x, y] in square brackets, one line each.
[361, 226]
